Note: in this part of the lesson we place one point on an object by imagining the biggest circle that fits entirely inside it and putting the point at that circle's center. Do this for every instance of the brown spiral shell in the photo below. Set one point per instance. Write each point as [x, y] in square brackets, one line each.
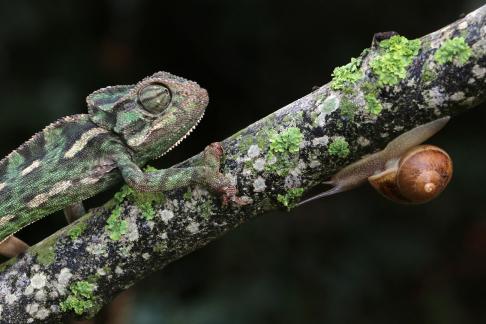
[420, 175]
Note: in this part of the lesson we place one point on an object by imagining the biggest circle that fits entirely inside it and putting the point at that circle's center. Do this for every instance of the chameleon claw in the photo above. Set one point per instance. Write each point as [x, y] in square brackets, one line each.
[228, 194]
[214, 150]
[217, 149]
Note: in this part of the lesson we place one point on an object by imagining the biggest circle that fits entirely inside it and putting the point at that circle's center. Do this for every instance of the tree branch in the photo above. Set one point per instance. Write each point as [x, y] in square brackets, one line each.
[385, 92]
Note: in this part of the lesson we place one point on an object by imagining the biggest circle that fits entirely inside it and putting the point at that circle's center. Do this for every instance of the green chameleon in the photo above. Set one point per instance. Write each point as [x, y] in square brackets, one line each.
[81, 155]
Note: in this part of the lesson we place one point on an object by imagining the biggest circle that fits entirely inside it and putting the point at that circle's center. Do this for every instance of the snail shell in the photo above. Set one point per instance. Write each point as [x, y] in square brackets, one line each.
[420, 175]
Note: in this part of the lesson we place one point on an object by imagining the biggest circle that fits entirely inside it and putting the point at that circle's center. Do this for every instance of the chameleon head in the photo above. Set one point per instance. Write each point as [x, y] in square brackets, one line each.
[153, 116]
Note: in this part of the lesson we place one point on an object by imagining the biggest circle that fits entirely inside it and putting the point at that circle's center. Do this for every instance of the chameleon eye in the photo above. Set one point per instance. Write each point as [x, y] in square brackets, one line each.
[154, 98]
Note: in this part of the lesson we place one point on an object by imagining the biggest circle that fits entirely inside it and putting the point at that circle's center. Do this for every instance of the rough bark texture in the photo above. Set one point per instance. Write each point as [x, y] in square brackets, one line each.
[83, 266]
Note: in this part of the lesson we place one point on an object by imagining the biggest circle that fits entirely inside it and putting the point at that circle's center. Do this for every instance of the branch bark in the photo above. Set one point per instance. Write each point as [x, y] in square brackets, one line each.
[77, 270]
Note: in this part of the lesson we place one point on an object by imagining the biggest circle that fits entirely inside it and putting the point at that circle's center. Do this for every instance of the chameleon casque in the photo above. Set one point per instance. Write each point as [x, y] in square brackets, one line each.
[79, 156]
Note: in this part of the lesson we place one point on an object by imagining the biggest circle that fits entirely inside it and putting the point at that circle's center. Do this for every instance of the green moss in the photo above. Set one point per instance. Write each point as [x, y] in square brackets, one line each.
[77, 230]
[150, 169]
[143, 200]
[45, 252]
[206, 209]
[7, 264]
[343, 77]
[124, 192]
[81, 299]
[283, 150]
[245, 143]
[339, 148]
[373, 105]
[187, 195]
[46, 256]
[453, 50]
[148, 211]
[396, 54]
[262, 139]
[287, 119]
[160, 247]
[348, 108]
[428, 75]
[115, 226]
[288, 200]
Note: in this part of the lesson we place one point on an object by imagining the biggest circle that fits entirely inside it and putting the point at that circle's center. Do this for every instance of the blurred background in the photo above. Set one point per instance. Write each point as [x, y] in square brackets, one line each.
[352, 258]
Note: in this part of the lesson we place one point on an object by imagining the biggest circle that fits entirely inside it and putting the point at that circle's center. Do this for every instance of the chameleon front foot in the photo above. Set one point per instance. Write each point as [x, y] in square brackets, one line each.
[12, 246]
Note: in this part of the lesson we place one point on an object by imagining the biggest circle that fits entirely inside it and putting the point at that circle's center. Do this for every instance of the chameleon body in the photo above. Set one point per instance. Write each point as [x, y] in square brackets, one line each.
[82, 155]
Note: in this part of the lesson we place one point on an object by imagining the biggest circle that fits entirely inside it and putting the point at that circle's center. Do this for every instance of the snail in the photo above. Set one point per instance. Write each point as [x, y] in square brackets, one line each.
[404, 171]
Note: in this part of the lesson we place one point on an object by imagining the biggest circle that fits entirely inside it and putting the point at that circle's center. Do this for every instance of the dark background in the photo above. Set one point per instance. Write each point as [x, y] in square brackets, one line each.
[353, 258]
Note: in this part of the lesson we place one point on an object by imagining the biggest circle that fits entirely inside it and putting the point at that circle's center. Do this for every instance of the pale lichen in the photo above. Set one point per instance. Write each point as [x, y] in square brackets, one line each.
[328, 105]
[259, 184]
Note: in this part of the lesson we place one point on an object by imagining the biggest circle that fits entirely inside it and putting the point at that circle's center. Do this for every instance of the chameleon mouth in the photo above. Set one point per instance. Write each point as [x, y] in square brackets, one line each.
[185, 135]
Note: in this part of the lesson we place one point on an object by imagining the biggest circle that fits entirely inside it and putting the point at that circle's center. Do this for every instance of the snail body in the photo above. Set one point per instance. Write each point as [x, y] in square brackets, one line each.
[400, 169]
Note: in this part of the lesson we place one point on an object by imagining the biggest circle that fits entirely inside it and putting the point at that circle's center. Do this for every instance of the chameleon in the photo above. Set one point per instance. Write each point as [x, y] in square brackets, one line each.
[81, 155]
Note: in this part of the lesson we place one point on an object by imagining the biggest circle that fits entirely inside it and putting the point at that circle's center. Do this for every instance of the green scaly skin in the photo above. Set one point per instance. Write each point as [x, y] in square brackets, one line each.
[79, 156]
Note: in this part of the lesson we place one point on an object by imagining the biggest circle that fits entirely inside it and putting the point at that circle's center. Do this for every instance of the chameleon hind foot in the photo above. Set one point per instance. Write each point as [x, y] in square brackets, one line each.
[219, 182]
[12, 246]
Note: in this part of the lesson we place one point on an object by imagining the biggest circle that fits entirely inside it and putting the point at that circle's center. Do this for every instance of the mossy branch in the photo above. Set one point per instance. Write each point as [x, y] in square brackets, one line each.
[390, 88]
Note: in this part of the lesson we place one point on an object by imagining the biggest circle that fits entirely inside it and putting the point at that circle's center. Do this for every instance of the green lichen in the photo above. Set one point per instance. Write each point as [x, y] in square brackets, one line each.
[77, 230]
[396, 54]
[115, 226]
[291, 196]
[373, 105]
[81, 299]
[454, 50]
[339, 147]
[287, 141]
[343, 77]
[283, 150]
[348, 108]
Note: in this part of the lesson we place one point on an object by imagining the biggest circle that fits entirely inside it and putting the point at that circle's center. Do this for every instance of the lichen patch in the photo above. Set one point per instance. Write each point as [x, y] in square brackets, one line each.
[259, 184]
